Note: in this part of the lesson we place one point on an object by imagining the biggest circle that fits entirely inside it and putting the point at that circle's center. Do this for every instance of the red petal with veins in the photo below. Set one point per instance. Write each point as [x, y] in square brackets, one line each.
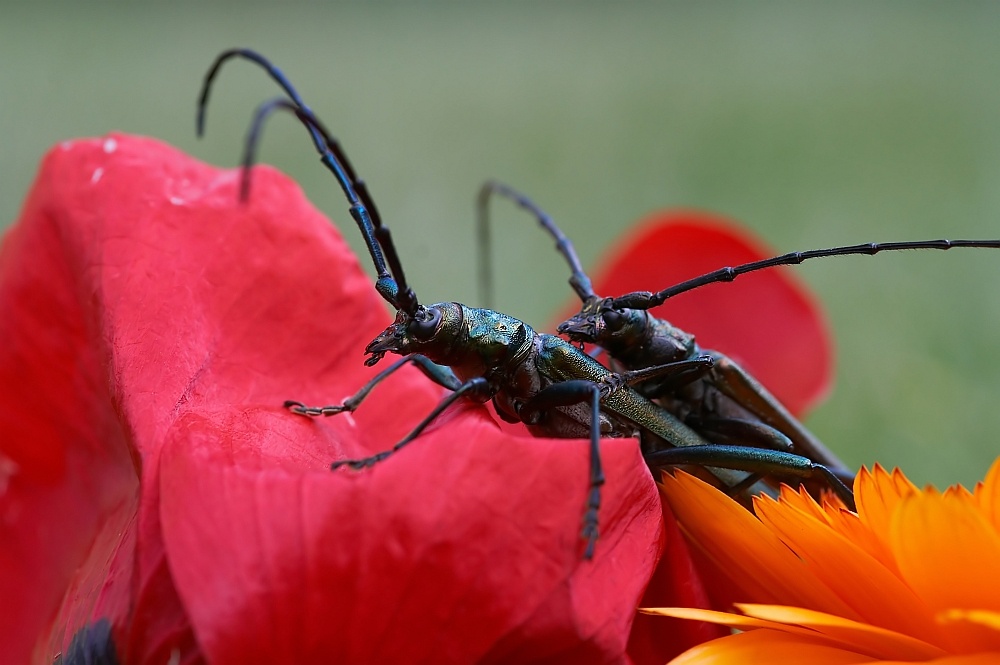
[151, 328]
[767, 321]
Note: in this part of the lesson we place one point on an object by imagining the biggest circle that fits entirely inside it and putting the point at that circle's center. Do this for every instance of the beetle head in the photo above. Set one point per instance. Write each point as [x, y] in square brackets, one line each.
[430, 331]
[600, 323]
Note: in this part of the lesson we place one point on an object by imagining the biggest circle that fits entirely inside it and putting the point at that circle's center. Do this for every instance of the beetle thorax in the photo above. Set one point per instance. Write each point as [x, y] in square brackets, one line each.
[492, 342]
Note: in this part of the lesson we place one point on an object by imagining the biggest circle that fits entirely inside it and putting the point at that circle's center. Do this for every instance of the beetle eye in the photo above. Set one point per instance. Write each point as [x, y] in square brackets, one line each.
[613, 319]
[423, 328]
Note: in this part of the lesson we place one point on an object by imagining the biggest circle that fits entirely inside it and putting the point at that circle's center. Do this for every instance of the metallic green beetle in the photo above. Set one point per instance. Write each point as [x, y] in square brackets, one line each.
[535, 378]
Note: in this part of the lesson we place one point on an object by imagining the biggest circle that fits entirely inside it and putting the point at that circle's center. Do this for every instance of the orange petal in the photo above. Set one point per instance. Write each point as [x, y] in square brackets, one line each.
[824, 629]
[850, 635]
[738, 621]
[983, 617]
[801, 500]
[988, 658]
[988, 495]
[948, 552]
[743, 550]
[875, 593]
[877, 493]
[979, 629]
[961, 493]
[767, 647]
[839, 518]
[851, 527]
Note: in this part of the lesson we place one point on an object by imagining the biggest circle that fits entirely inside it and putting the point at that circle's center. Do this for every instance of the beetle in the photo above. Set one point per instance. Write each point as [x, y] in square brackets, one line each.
[535, 378]
[722, 401]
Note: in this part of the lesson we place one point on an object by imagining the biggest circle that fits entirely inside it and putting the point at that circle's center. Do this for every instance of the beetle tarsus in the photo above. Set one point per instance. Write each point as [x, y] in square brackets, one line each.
[317, 411]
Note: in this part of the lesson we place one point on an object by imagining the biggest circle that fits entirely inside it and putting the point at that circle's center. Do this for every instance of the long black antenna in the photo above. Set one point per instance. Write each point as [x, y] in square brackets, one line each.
[578, 280]
[320, 138]
[385, 285]
[406, 299]
[647, 299]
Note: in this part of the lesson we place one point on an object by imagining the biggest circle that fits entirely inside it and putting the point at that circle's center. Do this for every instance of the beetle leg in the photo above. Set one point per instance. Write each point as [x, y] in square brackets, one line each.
[569, 393]
[741, 431]
[754, 460]
[439, 374]
[733, 381]
[477, 387]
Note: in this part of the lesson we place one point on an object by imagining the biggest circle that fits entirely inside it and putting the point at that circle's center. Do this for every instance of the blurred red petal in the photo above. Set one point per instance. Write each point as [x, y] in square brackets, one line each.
[189, 319]
[68, 484]
[767, 321]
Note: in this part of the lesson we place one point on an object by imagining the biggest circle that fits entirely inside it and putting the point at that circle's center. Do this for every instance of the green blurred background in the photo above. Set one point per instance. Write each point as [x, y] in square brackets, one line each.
[814, 124]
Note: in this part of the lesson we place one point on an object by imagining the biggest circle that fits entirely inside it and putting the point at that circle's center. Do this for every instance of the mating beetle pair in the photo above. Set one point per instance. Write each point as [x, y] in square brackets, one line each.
[688, 406]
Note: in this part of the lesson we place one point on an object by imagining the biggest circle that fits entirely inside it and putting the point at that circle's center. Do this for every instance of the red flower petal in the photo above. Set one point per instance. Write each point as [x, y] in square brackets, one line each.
[157, 628]
[191, 318]
[767, 321]
[676, 583]
[68, 485]
[464, 548]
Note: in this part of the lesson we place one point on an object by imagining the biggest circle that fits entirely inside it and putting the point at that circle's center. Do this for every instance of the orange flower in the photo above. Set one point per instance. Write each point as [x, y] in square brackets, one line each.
[913, 576]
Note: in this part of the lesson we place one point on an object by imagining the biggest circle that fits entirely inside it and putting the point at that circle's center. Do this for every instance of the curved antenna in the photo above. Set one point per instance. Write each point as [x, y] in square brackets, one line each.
[578, 279]
[386, 286]
[319, 138]
[647, 299]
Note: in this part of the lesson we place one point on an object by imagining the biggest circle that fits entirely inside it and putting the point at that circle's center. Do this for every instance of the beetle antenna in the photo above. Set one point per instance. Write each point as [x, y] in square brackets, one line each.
[385, 284]
[319, 138]
[406, 299]
[578, 280]
[647, 299]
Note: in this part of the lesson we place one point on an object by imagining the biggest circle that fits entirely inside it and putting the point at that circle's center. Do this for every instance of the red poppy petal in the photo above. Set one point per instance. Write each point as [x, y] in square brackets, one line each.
[157, 629]
[131, 265]
[464, 547]
[207, 316]
[767, 321]
[207, 301]
[676, 583]
[68, 484]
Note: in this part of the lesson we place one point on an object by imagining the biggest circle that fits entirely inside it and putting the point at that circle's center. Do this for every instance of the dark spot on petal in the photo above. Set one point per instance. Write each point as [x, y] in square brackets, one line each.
[92, 645]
